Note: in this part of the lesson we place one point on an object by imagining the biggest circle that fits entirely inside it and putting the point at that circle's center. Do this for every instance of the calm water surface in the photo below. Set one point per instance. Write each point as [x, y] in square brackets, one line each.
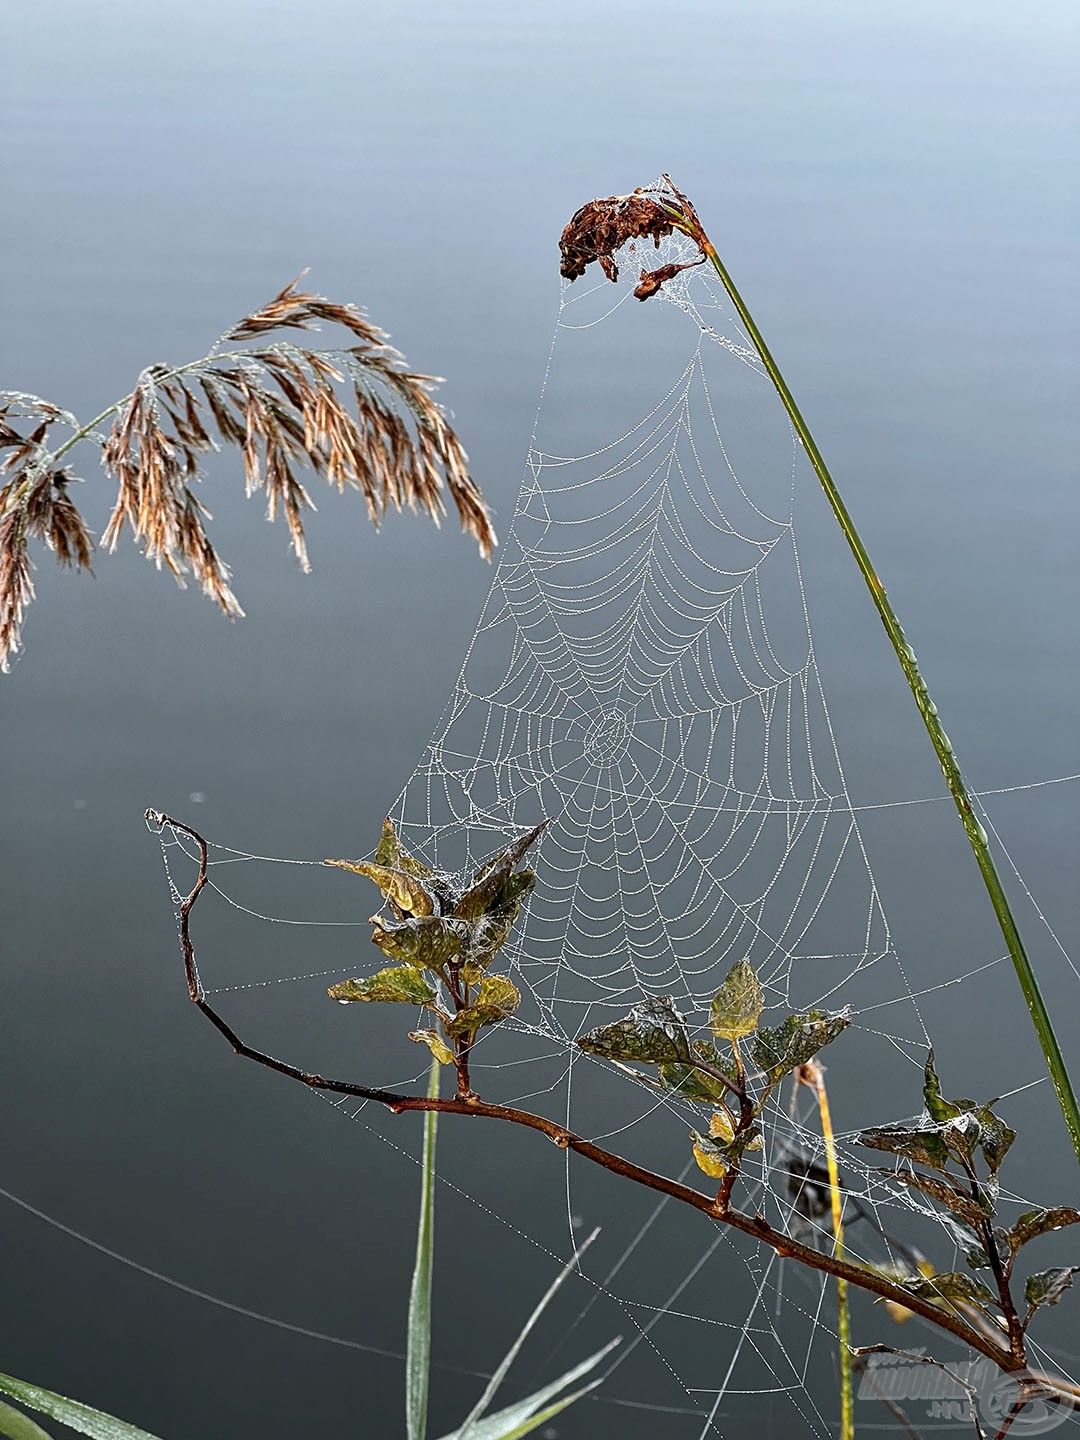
[895, 189]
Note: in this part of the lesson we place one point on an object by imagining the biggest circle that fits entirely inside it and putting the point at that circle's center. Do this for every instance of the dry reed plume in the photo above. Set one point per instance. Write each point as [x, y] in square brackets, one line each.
[356, 416]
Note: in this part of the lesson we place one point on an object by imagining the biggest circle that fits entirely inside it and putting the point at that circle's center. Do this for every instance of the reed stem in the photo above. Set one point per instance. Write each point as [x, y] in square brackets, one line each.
[1029, 985]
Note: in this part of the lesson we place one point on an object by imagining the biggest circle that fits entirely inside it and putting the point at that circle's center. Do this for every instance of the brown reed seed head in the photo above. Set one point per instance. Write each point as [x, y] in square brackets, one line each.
[356, 416]
[34, 504]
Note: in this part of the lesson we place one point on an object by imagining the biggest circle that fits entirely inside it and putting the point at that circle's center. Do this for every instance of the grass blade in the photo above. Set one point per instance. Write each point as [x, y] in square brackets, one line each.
[14, 1425]
[535, 1421]
[508, 1424]
[418, 1356]
[468, 1431]
[72, 1413]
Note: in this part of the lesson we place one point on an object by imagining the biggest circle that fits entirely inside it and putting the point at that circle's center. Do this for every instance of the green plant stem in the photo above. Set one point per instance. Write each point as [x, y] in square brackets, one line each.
[1029, 985]
[418, 1355]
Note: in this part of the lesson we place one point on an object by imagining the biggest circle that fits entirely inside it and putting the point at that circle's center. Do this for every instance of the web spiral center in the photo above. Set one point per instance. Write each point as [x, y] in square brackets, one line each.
[608, 737]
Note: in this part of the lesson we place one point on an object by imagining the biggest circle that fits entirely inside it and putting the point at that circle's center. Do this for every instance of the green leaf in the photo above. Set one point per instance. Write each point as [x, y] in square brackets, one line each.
[525, 1416]
[925, 1147]
[435, 1043]
[1048, 1286]
[939, 1109]
[426, 942]
[496, 999]
[954, 1285]
[693, 1084]
[418, 1351]
[995, 1137]
[736, 1007]
[468, 1430]
[72, 1413]
[14, 1425]
[492, 930]
[1033, 1223]
[654, 1033]
[489, 880]
[779, 1051]
[398, 983]
[966, 1124]
[968, 1241]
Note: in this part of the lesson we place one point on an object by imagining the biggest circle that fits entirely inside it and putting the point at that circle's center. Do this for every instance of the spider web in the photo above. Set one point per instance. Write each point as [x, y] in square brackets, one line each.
[644, 673]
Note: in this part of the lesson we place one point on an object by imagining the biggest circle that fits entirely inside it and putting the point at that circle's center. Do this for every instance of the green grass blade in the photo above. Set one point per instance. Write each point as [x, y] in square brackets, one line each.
[977, 837]
[72, 1413]
[418, 1356]
[507, 1424]
[468, 1430]
[535, 1421]
[14, 1425]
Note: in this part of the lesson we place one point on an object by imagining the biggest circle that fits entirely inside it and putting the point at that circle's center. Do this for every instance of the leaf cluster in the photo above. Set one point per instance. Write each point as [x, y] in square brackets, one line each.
[656, 1034]
[962, 1143]
[442, 934]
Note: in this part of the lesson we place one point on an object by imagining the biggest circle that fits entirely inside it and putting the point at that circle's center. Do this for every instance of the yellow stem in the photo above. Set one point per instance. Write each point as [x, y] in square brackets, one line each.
[813, 1075]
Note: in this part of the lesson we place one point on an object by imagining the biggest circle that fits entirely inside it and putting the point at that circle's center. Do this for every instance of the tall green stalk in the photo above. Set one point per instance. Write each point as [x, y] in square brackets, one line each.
[977, 836]
[418, 1352]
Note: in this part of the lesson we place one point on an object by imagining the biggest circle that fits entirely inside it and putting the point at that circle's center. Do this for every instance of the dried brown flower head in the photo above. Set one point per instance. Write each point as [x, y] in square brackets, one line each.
[652, 280]
[601, 227]
[357, 416]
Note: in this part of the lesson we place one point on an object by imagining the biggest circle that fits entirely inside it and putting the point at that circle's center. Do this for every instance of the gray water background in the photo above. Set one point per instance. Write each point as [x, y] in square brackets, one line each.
[895, 189]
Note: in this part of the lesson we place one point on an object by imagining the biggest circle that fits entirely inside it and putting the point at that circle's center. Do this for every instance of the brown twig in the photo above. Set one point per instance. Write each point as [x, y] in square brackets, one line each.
[899, 1414]
[755, 1226]
[918, 1358]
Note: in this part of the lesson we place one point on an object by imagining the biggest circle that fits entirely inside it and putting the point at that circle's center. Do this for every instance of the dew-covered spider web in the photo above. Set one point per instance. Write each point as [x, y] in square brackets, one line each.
[645, 673]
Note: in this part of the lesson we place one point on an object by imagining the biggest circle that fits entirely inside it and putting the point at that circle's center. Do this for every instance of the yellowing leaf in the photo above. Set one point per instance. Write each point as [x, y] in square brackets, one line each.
[496, 998]
[435, 1043]
[709, 1157]
[736, 1007]
[721, 1126]
[399, 983]
[390, 853]
[405, 890]
[900, 1314]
